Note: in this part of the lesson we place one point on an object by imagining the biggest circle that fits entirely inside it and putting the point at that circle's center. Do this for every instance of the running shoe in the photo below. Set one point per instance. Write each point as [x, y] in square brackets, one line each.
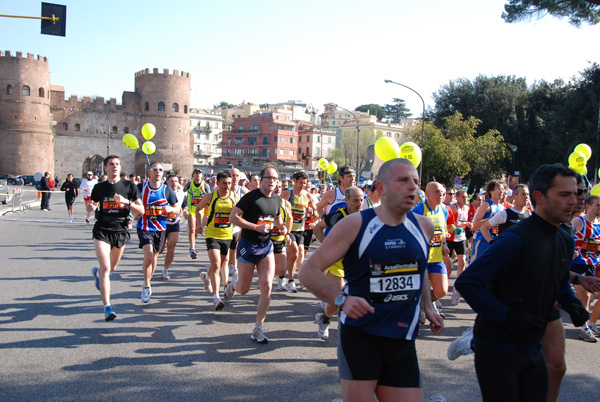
[95, 275]
[87, 220]
[259, 336]
[587, 335]
[146, 292]
[218, 304]
[461, 346]
[437, 398]
[206, 280]
[291, 287]
[109, 314]
[229, 291]
[193, 254]
[165, 274]
[437, 306]
[455, 297]
[233, 271]
[594, 329]
[70, 220]
[323, 305]
[281, 283]
[322, 328]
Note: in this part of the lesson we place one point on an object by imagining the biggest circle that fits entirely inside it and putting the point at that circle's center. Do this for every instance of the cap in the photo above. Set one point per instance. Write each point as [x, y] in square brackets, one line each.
[242, 176]
[196, 170]
[90, 172]
[509, 193]
[482, 192]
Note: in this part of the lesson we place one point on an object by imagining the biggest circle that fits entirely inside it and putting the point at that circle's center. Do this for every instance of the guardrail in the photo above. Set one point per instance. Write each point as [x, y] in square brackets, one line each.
[15, 199]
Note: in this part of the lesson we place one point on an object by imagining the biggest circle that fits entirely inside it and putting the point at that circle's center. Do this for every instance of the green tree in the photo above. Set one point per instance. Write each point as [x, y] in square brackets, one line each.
[374, 109]
[345, 151]
[224, 105]
[397, 110]
[577, 11]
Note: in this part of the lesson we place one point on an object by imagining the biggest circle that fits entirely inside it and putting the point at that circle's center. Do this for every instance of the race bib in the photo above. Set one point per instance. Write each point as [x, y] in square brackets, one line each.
[436, 241]
[221, 220]
[394, 282]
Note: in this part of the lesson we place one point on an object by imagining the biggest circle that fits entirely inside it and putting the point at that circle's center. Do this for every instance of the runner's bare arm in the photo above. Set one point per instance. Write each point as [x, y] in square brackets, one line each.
[478, 218]
[326, 199]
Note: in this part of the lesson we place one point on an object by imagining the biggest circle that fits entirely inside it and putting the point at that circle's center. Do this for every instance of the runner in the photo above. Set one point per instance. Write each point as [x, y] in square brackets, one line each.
[254, 182]
[335, 273]
[159, 202]
[372, 196]
[196, 189]
[382, 248]
[113, 198]
[301, 202]
[256, 213]
[86, 187]
[473, 207]
[334, 199]
[70, 190]
[433, 209]
[173, 225]
[494, 194]
[280, 241]
[507, 217]
[218, 235]
[457, 241]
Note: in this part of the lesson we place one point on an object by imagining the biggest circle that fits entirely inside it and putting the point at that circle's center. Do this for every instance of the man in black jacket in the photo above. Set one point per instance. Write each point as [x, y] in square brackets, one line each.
[45, 188]
[513, 286]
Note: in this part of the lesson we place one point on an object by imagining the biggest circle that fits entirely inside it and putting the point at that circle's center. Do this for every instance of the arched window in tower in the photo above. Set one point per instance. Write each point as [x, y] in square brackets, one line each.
[126, 130]
[161, 106]
[41, 92]
[65, 126]
[77, 127]
[25, 91]
[147, 108]
[175, 108]
[114, 129]
[9, 89]
[185, 109]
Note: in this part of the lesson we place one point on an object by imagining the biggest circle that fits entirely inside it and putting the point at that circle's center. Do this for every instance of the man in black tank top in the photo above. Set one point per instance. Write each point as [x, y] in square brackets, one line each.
[508, 217]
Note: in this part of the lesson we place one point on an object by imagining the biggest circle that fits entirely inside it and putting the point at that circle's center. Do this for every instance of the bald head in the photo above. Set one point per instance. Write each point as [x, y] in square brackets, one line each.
[354, 199]
[435, 193]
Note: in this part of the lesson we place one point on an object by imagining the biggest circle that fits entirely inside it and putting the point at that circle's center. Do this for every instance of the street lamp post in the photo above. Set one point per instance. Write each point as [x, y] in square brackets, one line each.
[422, 122]
[357, 132]
[514, 150]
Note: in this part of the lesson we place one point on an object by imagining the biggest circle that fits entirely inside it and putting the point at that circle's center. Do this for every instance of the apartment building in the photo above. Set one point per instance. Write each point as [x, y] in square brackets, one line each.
[206, 127]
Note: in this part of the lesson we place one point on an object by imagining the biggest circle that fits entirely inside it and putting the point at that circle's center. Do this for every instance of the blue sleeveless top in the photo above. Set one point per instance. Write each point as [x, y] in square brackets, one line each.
[385, 265]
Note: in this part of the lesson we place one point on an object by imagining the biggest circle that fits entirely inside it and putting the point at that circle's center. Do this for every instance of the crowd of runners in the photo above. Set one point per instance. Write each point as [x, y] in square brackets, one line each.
[383, 260]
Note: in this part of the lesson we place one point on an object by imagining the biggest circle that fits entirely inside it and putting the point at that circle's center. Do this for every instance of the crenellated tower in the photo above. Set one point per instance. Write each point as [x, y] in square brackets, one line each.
[26, 137]
[165, 102]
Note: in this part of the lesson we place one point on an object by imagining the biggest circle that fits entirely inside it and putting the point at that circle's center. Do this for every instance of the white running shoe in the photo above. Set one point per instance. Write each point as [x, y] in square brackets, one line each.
[594, 329]
[165, 274]
[259, 336]
[461, 346]
[291, 287]
[233, 271]
[206, 280]
[229, 291]
[146, 292]
[281, 283]
[218, 304]
[587, 335]
[322, 328]
[455, 299]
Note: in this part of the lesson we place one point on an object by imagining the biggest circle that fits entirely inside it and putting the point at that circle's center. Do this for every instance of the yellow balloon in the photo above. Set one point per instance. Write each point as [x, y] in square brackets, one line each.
[148, 131]
[323, 163]
[331, 169]
[131, 141]
[595, 190]
[577, 161]
[149, 147]
[585, 150]
[387, 148]
[412, 152]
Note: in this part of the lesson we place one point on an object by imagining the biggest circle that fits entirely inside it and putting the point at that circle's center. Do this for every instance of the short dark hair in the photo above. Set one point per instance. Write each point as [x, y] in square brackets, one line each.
[262, 172]
[542, 179]
[223, 175]
[589, 200]
[109, 157]
[300, 175]
[491, 186]
[519, 187]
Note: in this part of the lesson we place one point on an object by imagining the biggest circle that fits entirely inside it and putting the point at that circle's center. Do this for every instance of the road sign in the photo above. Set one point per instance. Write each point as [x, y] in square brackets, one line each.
[457, 180]
[361, 178]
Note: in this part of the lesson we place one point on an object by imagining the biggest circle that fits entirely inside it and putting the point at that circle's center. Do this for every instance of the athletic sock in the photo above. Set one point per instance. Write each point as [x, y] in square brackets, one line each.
[326, 320]
[281, 277]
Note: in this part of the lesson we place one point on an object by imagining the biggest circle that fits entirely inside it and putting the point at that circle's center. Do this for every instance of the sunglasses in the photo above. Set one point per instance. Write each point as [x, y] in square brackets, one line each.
[581, 190]
[157, 170]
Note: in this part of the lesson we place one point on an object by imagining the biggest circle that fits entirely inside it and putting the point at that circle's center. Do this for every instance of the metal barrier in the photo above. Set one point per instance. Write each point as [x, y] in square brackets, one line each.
[15, 199]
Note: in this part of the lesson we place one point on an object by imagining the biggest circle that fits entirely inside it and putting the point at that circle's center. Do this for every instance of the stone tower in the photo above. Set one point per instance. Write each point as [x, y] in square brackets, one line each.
[164, 102]
[26, 138]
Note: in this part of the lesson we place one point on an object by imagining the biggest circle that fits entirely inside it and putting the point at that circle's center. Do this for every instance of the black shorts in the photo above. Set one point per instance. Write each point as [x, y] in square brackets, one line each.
[585, 270]
[308, 234]
[69, 201]
[278, 246]
[156, 238]
[297, 237]
[366, 357]
[458, 246]
[469, 233]
[115, 239]
[218, 244]
[174, 227]
[234, 242]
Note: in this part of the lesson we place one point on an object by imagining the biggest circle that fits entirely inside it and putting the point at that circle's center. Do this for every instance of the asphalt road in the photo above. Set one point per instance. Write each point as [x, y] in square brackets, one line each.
[55, 344]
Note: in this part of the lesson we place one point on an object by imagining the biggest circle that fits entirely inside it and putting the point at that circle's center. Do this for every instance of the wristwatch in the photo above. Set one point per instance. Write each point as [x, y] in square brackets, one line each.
[340, 300]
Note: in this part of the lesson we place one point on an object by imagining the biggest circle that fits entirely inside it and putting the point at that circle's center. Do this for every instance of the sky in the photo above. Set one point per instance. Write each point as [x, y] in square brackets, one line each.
[316, 51]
